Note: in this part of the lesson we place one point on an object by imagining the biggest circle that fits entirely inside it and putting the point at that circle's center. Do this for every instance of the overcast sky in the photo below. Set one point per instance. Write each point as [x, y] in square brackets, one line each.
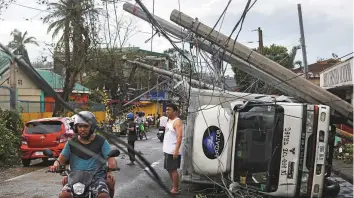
[328, 24]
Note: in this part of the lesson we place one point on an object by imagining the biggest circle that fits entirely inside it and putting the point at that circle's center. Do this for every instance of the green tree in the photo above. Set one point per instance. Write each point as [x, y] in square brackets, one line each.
[277, 53]
[19, 42]
[108, 70]
[11, 127]
[74, 19]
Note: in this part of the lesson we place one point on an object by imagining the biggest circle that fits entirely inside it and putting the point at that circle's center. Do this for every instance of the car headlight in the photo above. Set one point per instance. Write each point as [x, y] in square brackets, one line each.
[79, 188]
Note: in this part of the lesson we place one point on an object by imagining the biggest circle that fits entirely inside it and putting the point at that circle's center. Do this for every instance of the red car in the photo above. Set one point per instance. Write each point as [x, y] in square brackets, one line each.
[39, 134]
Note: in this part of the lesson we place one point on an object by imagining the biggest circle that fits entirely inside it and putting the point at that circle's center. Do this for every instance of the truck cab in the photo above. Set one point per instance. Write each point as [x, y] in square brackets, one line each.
[274, 148]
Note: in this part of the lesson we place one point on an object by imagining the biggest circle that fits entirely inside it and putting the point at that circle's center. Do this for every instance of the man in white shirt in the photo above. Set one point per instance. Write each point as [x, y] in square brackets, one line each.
[162, 127]
[172, 146]
[163, 120]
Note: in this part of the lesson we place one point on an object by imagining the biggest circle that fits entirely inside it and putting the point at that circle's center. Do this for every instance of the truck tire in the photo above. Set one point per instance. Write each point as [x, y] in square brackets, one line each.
[26, 162]
[331, 188]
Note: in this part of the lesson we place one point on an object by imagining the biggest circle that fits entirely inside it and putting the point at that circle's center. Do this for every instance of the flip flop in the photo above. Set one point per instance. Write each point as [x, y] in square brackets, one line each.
[176, 193]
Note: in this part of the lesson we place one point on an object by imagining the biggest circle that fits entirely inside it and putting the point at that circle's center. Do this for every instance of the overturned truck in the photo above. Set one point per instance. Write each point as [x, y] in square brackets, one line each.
[273, 144]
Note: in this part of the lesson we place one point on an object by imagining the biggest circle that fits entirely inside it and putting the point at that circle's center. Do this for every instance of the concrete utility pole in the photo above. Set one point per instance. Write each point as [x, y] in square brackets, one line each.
[260, 41]
[218, 68]
[13, 83]
[233, 60]
[305, 87]
[173, 75]
[303, 45]
[141, 95]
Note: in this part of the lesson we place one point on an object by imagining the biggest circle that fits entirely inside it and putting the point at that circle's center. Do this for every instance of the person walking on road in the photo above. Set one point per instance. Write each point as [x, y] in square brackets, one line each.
[172, 146]
[132, 137]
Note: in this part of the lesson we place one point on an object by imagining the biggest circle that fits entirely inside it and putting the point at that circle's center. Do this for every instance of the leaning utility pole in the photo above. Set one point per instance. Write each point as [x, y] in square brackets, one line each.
[226, 56]
[260, 41]
[303, 45]
[305, 87]
[172, 75]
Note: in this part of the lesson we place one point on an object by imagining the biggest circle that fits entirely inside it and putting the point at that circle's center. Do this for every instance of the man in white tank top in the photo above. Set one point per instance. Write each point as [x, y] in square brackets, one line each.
[172, 145]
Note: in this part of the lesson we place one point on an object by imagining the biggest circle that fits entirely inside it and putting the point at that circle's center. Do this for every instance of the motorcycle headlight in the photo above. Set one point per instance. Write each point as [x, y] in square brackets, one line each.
[79, 188]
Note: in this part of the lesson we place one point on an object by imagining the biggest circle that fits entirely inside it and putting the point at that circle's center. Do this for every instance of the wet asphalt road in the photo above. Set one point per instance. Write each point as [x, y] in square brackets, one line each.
[132, 181]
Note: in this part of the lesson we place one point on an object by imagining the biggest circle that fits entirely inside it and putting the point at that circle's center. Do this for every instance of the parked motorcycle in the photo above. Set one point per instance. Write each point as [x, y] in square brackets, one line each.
[81, 181]
[161, 133]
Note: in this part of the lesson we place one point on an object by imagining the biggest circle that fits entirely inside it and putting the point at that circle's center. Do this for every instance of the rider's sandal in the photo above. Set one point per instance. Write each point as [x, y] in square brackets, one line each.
[176, 193]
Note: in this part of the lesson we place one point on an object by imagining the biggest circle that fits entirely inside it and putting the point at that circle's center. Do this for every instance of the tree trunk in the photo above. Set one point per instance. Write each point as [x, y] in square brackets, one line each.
[73, 65]
[59, 108]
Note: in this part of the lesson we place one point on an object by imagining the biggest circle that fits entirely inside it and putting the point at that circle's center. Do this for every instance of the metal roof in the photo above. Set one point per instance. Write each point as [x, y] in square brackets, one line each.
[5, 61]
[57, 82]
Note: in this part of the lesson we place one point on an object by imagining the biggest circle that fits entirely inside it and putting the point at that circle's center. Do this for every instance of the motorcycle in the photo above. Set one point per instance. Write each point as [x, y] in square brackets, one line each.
[161, 133]
[81, 181]
[140, 133]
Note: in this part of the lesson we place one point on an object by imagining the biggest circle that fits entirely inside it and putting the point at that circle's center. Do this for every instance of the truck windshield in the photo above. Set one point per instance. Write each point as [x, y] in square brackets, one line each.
[257, 148]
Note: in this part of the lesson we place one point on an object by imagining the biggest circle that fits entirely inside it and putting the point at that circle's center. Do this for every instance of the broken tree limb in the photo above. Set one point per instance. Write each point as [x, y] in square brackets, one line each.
[265, 64]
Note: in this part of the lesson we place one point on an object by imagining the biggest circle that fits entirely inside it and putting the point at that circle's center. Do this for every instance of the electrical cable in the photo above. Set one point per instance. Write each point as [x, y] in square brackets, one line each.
[35, 76]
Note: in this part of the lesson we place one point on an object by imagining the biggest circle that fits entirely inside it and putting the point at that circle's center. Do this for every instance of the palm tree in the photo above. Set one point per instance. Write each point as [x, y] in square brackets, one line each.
[291, 63]
[19, 42]
[69, 16]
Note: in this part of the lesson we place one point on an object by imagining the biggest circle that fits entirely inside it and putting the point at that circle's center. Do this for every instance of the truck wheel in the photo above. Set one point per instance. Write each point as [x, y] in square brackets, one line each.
[26, 162]
[331, 188]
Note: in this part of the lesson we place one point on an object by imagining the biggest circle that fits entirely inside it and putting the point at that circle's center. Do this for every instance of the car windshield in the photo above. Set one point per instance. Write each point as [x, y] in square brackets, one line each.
[259, 135]
[44, 127]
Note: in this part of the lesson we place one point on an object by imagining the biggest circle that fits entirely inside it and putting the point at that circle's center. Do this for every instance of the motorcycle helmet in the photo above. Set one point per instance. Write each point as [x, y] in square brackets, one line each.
[85, 117]
[130, 116]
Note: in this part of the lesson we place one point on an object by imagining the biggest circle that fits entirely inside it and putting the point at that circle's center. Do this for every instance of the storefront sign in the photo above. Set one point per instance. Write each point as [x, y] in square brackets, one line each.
[153, 96]
[338, 75]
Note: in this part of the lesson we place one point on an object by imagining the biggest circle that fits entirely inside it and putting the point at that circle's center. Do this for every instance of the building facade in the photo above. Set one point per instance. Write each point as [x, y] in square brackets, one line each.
[338, 79]
[315, 69]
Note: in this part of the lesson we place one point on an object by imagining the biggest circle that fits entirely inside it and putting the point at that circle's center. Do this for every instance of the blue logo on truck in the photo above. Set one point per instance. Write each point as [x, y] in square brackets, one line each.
[213, 142]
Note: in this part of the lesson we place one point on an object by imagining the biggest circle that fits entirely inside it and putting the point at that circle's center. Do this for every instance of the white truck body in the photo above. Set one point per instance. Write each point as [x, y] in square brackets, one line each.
[212, 142]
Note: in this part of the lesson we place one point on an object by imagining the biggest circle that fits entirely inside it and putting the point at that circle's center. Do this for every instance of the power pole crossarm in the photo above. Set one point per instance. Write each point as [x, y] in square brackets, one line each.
[265, 64]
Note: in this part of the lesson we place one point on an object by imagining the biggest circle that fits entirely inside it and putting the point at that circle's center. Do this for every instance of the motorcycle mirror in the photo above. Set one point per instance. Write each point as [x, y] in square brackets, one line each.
[48, 152]
[114, 153]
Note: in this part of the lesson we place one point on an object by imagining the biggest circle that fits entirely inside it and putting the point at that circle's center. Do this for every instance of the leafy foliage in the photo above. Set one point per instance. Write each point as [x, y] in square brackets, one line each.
[19, 42]
[277, 53]
[11, 127]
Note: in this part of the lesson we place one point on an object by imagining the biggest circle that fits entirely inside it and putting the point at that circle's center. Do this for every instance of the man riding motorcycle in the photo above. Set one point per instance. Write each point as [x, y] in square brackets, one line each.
[83, 152]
